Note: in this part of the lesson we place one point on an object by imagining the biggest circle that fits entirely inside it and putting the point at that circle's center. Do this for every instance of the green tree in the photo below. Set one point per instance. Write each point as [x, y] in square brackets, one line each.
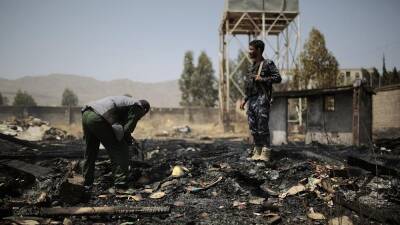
[385, 79]
[395, 76]
[239, 76]
[23, 99]
[185, 82]
[69, 98]
[366, 75]
[375, 77]
[204, 85]
[317, 64]
[296, 82]
[5, 100]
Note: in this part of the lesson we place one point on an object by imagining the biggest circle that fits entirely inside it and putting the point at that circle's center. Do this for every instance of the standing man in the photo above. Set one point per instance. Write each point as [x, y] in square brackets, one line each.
[258, 93]
[110, 121]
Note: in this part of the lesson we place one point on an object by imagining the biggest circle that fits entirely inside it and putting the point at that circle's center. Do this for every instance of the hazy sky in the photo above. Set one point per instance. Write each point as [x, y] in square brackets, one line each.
[145, 40]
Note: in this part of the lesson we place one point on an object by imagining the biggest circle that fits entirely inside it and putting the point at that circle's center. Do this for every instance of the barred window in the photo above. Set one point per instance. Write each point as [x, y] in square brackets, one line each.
[329, 103]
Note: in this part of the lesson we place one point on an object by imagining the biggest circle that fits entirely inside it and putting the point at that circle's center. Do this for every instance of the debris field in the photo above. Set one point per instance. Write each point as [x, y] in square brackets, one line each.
[208, 181]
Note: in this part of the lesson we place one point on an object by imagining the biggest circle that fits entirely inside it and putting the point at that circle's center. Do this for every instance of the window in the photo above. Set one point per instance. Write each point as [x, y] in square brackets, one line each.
[341, 78]
[357, 76]
[329, 103]
[348, 77]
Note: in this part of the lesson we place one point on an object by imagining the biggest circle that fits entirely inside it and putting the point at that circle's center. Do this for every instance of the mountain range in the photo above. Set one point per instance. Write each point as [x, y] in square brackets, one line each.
[47, 90]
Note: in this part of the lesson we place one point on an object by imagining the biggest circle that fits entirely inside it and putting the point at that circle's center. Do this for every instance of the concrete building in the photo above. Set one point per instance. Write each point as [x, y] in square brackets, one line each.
[341, 115]
[347, 76]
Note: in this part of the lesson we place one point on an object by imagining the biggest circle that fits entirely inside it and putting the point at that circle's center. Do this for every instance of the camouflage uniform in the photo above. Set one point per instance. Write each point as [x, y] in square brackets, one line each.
[258, 97]
[98, 118]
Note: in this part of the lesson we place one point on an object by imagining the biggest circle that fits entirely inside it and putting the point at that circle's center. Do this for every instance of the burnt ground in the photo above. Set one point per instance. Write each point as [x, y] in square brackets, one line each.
[220, 186]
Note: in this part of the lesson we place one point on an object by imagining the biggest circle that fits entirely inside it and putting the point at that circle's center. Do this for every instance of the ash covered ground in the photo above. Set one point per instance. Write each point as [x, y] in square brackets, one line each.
[209, 181]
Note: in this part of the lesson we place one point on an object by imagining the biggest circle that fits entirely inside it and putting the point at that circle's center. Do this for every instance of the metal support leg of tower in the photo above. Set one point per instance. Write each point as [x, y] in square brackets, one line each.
[284, 54]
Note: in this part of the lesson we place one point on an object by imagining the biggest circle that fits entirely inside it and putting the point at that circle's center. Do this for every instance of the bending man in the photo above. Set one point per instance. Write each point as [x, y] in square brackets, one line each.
[110, 121]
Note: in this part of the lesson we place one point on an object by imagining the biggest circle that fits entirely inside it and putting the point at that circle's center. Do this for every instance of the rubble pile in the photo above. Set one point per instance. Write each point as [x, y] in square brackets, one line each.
[202, 182]
[33, 129]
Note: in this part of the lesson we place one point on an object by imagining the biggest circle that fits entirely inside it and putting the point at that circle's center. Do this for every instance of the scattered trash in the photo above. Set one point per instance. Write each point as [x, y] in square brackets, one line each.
[271, 192]
[33, 129]
[128, 191]
[257, 201]
[293, 190]
[150, 154]
[183, 129]
[272, 218]
[179, 171]
[169, 183]
[204, 216]
[344, 220]
[127, 223]
[111, 191]
[103, 196]
[179, 203]
[197, 189]
[315, 215]
[42, 198]
[157, 195]
[23, 221]
[137, 197]
[67, 221]
[239, 205]
[327, 186]
[221, 185]
[105, 210]
[312, 183]
[148, 190]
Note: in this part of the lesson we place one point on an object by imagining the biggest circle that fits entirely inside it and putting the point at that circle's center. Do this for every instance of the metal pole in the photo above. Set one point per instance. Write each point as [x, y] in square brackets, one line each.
[278, 55]
[221, 79]
[287, 48]
[263, 35]
[227, 73]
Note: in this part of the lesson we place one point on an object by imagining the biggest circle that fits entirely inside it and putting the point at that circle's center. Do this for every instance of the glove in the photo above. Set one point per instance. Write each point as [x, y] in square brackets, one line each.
[118, 131]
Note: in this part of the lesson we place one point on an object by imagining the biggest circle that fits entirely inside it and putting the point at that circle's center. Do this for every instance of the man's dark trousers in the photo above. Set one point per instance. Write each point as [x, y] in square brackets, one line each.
[96, 130]
[258, 118]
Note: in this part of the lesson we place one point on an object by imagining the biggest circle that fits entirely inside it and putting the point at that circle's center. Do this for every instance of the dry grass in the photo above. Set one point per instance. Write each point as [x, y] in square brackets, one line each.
[155, 128]
[151, 128]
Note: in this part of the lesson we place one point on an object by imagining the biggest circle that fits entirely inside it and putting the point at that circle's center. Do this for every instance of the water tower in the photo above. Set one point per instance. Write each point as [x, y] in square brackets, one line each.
[276, 22]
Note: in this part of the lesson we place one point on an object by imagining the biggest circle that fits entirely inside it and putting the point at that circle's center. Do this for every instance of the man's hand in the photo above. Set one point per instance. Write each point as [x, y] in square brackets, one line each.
[258, 77]
[242, 105]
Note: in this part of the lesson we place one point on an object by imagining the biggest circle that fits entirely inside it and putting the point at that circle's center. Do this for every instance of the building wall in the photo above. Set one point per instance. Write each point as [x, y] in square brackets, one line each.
[330, 127]
[386, 112]
[365, 123]
[55, 115]
[65, 115]
[347, 76]
[278, 121]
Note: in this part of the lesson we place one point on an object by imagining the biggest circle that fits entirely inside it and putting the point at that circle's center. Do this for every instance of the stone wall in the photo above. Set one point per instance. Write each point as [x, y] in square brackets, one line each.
[386, 112]
[66, 115]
